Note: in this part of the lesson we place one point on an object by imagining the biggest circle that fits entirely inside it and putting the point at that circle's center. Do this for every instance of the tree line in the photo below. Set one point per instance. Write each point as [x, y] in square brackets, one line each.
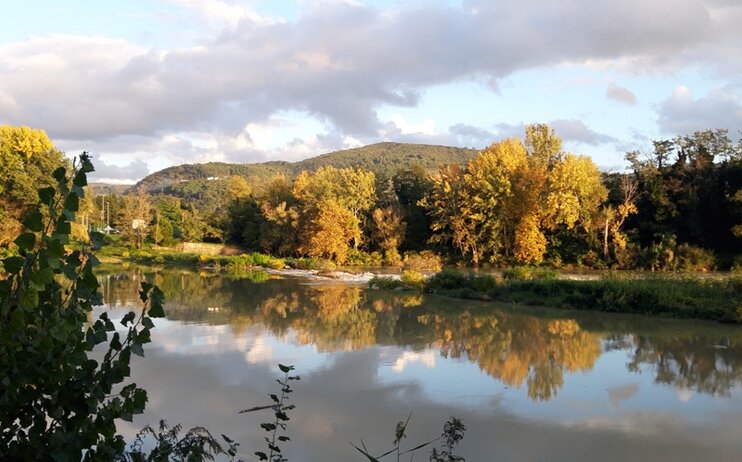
[519, 201]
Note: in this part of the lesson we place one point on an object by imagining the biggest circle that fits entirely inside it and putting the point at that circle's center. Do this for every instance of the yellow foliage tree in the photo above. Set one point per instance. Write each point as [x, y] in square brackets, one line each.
[389, 230]
[500, 205]
[328, 231]
[348, 188]
[449, 207]
[27, 160]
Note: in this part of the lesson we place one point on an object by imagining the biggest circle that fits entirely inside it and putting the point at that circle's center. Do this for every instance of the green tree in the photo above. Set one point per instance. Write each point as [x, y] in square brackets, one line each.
[411, 185]
[56, 402]
[27, 160]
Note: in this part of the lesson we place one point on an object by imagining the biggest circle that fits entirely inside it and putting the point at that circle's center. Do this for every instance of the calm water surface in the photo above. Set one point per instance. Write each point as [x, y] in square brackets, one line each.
[530, 384]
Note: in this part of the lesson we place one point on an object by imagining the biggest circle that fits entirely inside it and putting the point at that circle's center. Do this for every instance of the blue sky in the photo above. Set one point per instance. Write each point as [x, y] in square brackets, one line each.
[148, 84]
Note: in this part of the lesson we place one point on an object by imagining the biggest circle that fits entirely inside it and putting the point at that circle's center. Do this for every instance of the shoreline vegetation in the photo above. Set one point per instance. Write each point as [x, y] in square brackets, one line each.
[716, 297]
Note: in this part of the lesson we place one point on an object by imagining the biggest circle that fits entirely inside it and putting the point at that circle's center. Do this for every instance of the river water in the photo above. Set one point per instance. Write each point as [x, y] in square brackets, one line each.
[530, 384]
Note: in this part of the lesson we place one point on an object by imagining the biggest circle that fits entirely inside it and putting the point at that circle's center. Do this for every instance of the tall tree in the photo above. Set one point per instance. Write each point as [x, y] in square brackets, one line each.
[411, 185]
[452, 220]
[347, 188]
[388, 231]
[328, 231]
[27, 160]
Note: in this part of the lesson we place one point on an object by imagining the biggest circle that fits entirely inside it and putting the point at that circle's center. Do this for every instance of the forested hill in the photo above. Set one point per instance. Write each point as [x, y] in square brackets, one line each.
[381, 158]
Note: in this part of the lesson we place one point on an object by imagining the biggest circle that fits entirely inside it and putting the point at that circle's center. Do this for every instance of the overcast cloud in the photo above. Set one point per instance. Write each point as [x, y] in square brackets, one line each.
[340, 62]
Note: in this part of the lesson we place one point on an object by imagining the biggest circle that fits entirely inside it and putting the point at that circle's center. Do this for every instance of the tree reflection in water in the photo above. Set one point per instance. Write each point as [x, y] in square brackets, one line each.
[514, 348]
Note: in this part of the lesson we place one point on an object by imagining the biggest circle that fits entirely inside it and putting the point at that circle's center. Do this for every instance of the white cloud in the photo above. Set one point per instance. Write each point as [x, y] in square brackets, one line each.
[682, 113]
[408, 357]
[217, 12]
[620, 94]
[426, 127]
[340, 61]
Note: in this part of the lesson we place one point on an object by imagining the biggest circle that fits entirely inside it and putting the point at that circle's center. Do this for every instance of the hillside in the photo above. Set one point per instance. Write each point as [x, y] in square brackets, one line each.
[384, 159]
[107, 188]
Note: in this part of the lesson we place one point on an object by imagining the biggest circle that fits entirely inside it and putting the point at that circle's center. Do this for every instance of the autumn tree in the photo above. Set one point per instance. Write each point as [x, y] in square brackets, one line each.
[388, 231]
[277, 233]
[344, 188]
[328, 231]
[27, 160]
[448, 206]
[136, 216]
[500, 206]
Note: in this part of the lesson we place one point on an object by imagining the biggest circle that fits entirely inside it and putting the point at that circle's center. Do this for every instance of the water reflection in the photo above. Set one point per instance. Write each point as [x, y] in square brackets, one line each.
[518, 350]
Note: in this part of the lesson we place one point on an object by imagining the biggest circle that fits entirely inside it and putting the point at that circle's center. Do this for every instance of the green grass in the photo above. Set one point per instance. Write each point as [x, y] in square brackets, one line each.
[718, 299]
[151, 256]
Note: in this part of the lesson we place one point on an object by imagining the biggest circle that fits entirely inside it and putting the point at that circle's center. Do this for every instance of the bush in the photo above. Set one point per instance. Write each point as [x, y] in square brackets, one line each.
[448, 280]
[308, 263]
[57, 402]
[527, 273]
[692, 258]
[360, 258]
[392, 258]
[413, 279]
[423, 261]
[385, 283]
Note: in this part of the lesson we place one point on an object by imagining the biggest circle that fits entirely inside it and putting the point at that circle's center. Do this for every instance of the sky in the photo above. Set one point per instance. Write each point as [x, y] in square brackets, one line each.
[147, 84]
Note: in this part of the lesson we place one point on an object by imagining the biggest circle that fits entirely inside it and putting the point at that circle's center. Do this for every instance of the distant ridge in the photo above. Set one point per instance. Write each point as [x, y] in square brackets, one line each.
[384, 159]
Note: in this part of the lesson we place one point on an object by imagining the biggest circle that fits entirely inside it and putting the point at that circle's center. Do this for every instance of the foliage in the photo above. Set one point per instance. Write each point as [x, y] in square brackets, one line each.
[453, 433]
[687, 189]
[310, 264]
[385, 283]
[527, 273]
[196, 444]
[411, 185]
[27, 160]
[452, 280]
[277, 428]
[501, 205]
[427, 260]
[361, 258]
[413, 279]
[328, 231]
[674, 297]
[56, 402]
[389, 229]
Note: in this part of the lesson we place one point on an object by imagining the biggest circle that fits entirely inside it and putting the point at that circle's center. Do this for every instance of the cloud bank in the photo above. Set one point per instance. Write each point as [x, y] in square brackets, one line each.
[340, 62]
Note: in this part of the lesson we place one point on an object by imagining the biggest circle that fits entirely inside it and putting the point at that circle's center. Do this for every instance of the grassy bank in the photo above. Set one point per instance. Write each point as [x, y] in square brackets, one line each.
[114, 251]
[718, 299]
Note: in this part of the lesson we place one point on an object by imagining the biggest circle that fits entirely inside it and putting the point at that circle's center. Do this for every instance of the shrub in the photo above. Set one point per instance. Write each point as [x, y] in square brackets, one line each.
[413, 279]
[446, 280]
[692, 258]
[392, 258]
[308, 263]
[527, 273]
[385, 283]
[360, 258]
[423, 261]
[58, 403]
[473, 285]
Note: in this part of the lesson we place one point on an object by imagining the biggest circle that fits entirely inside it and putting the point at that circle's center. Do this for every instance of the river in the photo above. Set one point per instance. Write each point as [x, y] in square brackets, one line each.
[531, 384]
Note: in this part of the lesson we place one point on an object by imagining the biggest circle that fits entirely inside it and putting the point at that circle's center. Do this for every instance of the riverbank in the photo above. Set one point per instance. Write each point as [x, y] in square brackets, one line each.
[657, 294]
[670, 295]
